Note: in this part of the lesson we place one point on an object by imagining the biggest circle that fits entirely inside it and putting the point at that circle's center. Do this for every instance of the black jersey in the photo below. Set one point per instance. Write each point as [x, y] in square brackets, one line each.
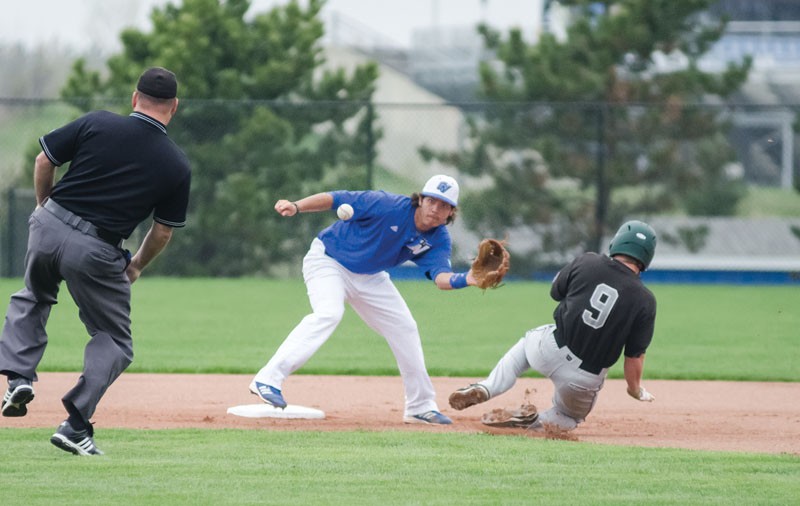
[603, 308]
[123, 168]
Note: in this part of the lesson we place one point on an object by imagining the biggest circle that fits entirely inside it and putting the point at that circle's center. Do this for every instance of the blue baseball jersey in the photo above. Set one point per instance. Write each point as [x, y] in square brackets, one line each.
[381, 235]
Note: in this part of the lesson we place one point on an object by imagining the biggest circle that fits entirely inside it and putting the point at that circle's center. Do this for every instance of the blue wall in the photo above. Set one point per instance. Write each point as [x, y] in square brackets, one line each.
[659, 276]
[723, 277]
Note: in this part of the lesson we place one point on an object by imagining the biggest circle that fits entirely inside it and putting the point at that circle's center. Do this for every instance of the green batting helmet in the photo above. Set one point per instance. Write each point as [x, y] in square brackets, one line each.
[635, 239]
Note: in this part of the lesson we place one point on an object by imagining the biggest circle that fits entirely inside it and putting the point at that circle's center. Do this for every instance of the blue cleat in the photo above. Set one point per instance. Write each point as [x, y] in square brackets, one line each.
[268, 394]
[432, 417]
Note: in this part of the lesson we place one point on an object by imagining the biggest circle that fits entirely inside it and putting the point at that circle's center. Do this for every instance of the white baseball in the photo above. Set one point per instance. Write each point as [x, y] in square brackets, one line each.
[345, 212]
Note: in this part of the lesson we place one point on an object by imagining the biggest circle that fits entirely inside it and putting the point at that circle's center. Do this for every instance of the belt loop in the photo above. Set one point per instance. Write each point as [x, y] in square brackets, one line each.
[73, 220]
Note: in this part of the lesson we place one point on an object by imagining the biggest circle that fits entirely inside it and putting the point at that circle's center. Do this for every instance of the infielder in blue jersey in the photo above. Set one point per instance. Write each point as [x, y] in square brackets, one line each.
[347, 262]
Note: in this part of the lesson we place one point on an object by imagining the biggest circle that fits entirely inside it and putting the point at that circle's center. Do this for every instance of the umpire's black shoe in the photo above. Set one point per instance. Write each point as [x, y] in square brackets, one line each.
[18, 395]
[79, 442]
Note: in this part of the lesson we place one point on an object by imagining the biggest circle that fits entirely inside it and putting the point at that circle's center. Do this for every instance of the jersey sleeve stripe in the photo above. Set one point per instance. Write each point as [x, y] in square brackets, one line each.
[47, 153]
[173, 224]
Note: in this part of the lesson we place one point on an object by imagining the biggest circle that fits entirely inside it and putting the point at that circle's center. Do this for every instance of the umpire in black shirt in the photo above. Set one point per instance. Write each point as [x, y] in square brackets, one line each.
[122, 170]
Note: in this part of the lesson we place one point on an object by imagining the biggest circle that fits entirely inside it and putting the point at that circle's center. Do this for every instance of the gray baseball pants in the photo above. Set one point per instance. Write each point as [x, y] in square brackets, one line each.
[94, 272]
[575, 391]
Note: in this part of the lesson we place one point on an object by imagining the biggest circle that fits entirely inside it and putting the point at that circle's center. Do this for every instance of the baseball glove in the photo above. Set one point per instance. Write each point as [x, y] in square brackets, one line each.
[491, 264]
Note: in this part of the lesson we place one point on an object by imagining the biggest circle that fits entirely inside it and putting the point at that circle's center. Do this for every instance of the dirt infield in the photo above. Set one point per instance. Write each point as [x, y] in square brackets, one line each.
[704, 415]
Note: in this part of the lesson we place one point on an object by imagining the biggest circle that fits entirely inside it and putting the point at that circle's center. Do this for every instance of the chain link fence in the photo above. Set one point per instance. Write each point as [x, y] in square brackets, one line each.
[395, 149]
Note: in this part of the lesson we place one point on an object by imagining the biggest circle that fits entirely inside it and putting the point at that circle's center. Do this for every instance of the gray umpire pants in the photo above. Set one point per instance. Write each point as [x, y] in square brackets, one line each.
[94, 272]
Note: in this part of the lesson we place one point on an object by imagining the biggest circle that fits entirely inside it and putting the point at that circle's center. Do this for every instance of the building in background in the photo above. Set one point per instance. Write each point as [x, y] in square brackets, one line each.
[769, 32]
[444, 60]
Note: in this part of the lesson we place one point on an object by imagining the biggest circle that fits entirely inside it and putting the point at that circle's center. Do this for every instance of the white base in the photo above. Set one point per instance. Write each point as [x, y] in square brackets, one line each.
[267, 411]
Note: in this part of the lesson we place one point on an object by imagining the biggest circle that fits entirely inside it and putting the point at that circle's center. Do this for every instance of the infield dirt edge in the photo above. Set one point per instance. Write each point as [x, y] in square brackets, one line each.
[700, 415]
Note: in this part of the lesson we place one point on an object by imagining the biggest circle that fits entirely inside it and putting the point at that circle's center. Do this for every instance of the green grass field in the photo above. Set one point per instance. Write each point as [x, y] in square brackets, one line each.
[198, 467]
[224, 325]
[20, 128]
[234, 325]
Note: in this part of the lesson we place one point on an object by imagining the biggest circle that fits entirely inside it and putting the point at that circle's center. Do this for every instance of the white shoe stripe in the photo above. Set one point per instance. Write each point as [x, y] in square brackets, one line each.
[83, 447]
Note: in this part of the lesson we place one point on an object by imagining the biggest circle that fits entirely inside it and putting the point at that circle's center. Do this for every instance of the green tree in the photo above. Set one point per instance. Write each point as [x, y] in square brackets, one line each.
[259, 119]
[583, 130]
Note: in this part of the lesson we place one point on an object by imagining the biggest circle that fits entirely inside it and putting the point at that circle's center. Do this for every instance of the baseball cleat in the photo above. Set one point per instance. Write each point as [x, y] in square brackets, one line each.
[18, 395]
[432, 417]
[268, 394]
[526, 417]
[77, 442]
[469, 396]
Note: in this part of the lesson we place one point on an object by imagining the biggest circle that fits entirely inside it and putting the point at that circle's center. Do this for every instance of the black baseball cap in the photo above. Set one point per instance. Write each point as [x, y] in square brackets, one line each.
[158, 82]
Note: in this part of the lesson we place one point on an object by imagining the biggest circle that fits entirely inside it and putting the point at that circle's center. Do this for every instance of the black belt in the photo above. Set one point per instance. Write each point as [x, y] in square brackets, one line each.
[586, 367]
[84, 226]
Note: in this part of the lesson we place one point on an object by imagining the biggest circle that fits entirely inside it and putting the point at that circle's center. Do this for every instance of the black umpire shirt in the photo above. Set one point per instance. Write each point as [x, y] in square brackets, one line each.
[603, 307]
[123, 168]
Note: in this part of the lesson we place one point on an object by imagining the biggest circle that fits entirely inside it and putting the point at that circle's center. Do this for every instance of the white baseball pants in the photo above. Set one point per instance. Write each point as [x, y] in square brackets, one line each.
[377, 301]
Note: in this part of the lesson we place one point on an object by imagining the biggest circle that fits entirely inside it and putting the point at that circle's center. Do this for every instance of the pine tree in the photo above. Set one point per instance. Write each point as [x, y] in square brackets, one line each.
[258, 119]
[610, 120]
